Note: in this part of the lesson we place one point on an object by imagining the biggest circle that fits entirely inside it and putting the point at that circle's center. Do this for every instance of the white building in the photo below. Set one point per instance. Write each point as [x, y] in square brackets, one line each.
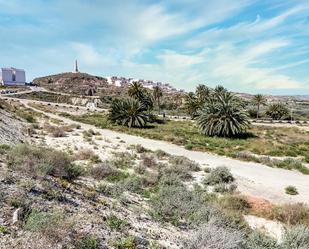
[12, 76]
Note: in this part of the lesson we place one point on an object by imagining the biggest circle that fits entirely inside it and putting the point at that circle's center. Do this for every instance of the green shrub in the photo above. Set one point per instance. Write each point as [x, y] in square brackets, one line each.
[188, 146]
[296, 238]
[125, 243]
[257, 240]
[40, 221]
[123, 160]
[219, 175]
[161, 154]
[86, 242]
[116, 223]
[291, 190]
[181, 161]
[51, 225]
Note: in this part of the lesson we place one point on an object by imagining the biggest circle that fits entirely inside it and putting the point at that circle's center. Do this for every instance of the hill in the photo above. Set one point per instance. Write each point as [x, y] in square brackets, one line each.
[72, 83]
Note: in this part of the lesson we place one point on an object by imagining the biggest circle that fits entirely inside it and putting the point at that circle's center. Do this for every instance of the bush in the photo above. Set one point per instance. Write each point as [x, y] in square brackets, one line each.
[234, 203]
[58, 132]
[103, 170]
[176, 204]
[215, 237]
[291, 190]
[86, 242]
[148, 161]
[181, 161]
[116, 223]
[84, 154]
[140, 149]
[219, 175]
[257, 240]
[51, 225]
[161, 154]
[296, 238]
[41, 161]
[123, 160]
[291, 214]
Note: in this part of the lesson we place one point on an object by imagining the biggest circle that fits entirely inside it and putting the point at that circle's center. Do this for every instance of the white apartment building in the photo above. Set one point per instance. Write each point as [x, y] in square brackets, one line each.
[12, 76]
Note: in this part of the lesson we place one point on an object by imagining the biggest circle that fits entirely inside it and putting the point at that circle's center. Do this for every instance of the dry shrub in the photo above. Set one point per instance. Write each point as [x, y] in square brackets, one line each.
[216, 237]
[41, 161]
[84, 154]
[58, 132]
[291, 214]
[103, 170]
[148, 161]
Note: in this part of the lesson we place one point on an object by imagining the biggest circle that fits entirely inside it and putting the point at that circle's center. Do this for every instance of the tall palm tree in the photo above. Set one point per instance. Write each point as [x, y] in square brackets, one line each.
[202, 93]
[219, 89]
[136, 90]
[191, 104]
[224, 116]
[258, 100]
[157, 94]
[178, 102]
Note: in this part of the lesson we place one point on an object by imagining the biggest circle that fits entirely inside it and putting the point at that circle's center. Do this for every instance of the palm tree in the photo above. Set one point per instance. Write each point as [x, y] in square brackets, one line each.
[128, 112]
[277, 111]
[178, 102]
[191, 104]
[135, 90]
[224, 116]
[202, 93]
[157, 94]
[258, 100]
[219, 89]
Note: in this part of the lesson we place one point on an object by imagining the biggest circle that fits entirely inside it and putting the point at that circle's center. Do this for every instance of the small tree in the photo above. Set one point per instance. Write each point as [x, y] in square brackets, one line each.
[277, 111]
[258, 100]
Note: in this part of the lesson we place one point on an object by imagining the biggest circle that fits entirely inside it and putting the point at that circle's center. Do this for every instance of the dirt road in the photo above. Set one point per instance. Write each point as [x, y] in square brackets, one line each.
[252, 178]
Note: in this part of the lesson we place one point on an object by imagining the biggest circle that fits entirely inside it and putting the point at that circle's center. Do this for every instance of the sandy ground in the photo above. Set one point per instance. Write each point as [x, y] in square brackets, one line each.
[252, 178]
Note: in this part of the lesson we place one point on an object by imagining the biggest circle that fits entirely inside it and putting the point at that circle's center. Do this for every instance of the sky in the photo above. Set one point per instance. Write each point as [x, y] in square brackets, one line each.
[254, 46]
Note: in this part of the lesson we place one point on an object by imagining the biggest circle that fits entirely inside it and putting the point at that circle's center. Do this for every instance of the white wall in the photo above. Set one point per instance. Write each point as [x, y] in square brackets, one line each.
[7, 76]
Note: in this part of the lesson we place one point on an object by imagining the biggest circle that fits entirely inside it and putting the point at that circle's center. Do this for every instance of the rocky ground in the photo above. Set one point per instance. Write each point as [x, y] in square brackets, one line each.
[11, 129]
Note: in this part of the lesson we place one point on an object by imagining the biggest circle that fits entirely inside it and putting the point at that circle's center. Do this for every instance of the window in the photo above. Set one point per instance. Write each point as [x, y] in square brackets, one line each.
[14, 76]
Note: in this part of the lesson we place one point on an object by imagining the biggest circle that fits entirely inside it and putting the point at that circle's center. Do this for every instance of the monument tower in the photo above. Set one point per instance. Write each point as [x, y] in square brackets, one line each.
[76, 67]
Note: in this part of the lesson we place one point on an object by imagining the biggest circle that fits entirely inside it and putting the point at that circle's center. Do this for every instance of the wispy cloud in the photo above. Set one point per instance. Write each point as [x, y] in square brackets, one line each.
[242, 43]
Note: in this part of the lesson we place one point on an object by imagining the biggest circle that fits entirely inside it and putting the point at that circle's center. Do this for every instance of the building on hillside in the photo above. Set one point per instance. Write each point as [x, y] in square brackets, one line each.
[12, 77]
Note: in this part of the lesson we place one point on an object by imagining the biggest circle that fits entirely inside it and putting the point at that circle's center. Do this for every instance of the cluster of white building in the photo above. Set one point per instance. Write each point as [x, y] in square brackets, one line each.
[122, 82]
[12, 77]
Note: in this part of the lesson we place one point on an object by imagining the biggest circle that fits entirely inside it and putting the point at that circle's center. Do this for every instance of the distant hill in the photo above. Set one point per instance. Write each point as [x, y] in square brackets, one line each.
[73, 83]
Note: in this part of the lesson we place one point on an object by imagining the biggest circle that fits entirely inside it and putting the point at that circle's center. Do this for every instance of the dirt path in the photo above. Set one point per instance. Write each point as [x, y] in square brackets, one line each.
[253, 179]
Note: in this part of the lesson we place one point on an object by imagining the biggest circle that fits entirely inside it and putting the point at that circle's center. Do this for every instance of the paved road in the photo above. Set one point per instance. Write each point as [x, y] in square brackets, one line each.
[252, 178]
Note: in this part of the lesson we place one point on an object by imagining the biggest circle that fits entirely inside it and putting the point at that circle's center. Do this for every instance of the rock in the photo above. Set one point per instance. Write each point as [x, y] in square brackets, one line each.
[15, 216]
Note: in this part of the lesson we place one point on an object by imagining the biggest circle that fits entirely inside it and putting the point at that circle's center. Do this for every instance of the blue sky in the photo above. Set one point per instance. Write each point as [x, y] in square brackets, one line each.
[246, 45]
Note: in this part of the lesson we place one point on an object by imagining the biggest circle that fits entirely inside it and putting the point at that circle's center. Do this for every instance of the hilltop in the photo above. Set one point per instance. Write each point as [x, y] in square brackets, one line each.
[73, 83]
